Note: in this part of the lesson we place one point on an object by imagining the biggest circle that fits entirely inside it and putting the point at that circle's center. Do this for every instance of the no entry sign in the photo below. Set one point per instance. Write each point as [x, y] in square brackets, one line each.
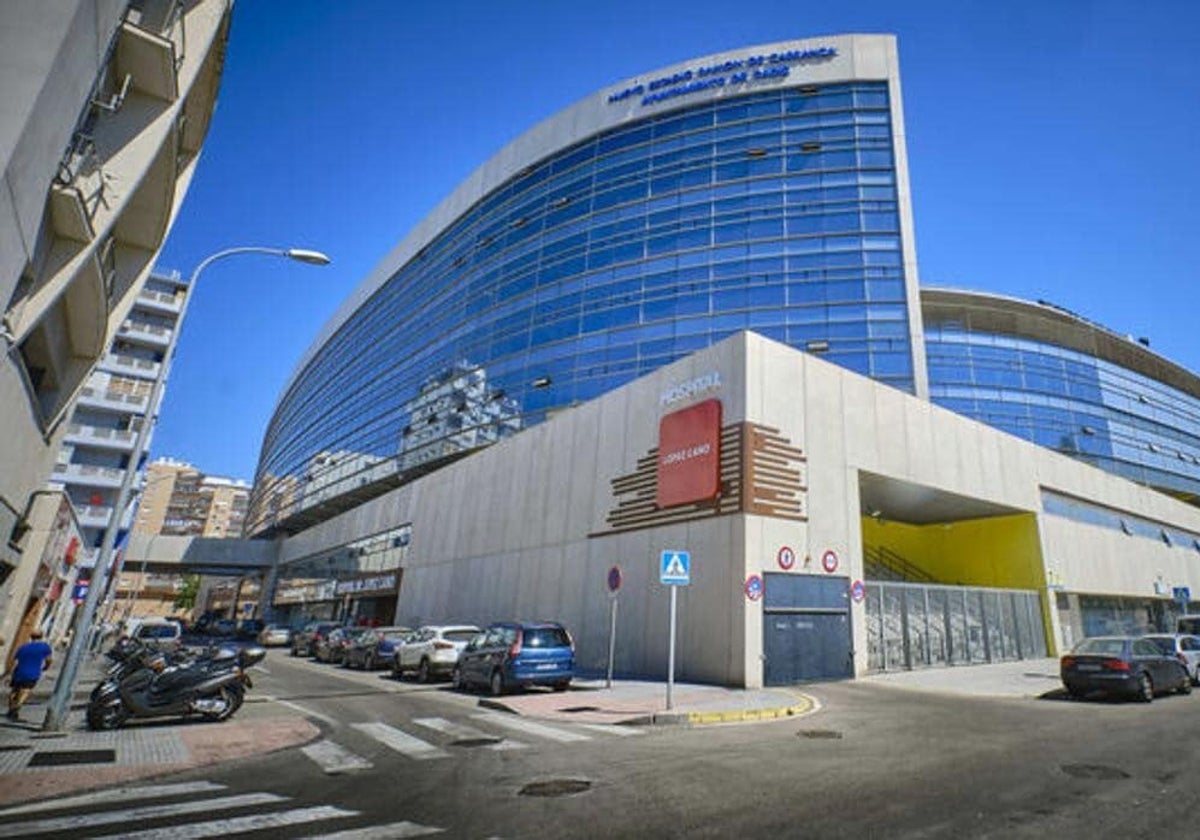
[786, 558]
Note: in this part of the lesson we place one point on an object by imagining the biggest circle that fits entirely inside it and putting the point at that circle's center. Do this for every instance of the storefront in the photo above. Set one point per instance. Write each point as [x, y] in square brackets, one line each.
[370, 599]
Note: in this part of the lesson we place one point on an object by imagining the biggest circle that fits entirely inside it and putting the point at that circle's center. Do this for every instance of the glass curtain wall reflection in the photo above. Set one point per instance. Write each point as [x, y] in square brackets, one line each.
[776, 212]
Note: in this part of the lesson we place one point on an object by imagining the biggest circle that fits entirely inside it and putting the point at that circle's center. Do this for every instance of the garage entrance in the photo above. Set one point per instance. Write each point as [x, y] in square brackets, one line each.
[806, 629]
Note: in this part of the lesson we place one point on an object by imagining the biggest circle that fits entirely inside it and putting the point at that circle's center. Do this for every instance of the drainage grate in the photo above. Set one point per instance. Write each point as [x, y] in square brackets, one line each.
[57, 759]
[574, 709]
[1094, 771]
[827, 734]
[485, 741]
[555, 787]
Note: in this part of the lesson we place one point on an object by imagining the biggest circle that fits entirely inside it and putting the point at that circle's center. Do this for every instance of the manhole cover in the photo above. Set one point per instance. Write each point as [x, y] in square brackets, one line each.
[555, 787]
[574, 709]
[1094, 771]
[817, 734]
[485, 741]
[57, 759]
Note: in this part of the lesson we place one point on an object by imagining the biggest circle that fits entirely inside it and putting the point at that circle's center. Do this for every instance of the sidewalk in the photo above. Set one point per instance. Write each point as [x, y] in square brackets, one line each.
[1027, 678]
[37, 765]
[638, 702]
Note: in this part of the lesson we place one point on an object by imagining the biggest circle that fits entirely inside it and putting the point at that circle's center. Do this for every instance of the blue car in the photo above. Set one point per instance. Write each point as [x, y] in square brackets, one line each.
[516, 654]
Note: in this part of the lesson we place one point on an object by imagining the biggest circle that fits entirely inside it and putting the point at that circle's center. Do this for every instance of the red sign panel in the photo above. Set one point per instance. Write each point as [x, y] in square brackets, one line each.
[689, 454]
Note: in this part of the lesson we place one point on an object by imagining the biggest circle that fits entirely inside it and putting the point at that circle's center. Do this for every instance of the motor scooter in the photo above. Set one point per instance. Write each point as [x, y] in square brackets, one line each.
[213, 686]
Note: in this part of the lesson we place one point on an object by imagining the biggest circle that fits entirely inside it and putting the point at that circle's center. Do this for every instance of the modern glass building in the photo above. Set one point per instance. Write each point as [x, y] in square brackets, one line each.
[1050, 376]
[761, 189]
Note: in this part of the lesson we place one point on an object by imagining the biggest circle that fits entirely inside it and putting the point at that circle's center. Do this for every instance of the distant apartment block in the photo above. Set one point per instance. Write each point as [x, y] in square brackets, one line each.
[180, 500]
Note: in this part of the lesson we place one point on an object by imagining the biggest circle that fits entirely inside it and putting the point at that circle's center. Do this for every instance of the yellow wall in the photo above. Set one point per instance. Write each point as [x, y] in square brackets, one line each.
[1001, 551]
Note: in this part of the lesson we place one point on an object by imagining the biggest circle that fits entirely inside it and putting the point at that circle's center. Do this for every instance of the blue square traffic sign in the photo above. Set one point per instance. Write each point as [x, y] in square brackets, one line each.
[676, 568]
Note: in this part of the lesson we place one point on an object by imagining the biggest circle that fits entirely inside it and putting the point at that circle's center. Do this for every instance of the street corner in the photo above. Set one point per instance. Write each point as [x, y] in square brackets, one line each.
[237, 740]
[797, 705]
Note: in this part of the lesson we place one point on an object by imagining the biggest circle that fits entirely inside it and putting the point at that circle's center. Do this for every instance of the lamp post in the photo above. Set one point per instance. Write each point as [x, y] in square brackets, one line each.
[56, 711]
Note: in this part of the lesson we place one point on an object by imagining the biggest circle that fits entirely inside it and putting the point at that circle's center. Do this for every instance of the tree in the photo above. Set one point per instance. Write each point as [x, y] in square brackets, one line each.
[186, 599]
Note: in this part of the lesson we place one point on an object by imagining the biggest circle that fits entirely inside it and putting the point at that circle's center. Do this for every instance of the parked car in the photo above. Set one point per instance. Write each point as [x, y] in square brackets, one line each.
[511, 654]
[331, 647]
[223, 628]
[160, 633]
[373, 648]
[1184, 648]
[275, 635]
[433, 651]
[1125, 665]
[249, 628]
[304, 642]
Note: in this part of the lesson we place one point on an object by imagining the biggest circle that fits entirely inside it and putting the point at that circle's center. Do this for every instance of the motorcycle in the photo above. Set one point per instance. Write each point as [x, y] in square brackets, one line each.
[143, 684]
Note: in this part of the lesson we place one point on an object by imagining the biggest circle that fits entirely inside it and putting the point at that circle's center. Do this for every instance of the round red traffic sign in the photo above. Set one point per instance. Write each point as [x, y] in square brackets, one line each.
[754, 587]
[786, 558]
[614, 578]
[829, 561]
[858, 591]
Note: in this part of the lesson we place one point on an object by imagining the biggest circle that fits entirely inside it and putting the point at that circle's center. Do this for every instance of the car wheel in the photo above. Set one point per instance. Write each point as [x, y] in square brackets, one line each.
[1196, 676]
[456, 679]
[423, 671]
[496, 684]
[563, 685]
[1185, 683]
[1145, 688]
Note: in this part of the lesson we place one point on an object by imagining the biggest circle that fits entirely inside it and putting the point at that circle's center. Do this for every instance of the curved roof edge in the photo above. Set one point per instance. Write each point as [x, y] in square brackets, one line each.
[1052, 324]
[858, 56]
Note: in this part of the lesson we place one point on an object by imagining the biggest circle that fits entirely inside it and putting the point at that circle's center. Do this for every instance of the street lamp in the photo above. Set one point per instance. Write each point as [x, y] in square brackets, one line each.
[60, 699]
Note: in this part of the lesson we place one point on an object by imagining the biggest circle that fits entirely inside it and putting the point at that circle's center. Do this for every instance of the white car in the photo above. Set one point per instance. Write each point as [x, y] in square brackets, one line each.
[1184, 648]
[433, 651]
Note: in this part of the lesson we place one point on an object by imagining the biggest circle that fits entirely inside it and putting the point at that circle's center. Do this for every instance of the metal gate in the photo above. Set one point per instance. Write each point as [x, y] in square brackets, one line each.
[806, 629]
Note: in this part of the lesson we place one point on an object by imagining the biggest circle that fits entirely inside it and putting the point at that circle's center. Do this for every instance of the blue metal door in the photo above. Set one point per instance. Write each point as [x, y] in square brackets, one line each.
[806, 629]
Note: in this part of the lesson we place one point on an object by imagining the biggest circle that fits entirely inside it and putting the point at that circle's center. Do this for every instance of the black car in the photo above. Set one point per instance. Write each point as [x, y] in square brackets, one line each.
[304, 642]
[1123, 665]
[249, 628]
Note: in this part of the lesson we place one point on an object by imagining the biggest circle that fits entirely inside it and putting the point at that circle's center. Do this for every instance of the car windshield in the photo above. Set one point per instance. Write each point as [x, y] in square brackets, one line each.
[460, 635]
[1164, 643]
[1106, 647]
[156, 631]
[546, 637]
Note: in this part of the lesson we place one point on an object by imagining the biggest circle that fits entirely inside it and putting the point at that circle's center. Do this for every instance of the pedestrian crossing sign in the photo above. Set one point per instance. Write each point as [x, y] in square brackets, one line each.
[676, 568]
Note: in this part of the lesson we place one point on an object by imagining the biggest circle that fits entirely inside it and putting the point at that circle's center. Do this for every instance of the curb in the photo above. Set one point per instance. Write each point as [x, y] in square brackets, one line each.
[750, 715]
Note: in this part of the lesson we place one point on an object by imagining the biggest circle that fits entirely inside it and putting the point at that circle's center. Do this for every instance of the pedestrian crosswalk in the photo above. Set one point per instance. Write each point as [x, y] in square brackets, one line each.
[218, 814]
[432, 738]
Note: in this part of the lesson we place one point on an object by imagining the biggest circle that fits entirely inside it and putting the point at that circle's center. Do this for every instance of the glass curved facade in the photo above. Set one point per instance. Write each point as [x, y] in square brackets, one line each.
[775, 211]
[1107, 415]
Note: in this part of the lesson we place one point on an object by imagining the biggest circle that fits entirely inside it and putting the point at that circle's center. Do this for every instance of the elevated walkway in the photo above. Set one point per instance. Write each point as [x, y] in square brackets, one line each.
[198, 555]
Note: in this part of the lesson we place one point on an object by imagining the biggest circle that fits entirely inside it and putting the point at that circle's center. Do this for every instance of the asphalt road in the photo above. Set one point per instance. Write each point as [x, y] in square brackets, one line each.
[874, 762]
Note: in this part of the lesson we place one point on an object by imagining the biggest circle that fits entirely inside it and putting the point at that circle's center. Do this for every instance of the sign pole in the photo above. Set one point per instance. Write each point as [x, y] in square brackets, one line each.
[671, 654]
[612, 640]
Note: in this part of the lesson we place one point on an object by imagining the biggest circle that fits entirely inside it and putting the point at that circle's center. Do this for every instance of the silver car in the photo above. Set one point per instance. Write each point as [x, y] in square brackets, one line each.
[1184, 648]
[433, 651]
[275, 635]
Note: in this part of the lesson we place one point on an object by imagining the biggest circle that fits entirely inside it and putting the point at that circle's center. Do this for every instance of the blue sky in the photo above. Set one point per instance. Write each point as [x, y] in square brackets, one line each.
[1050, 153]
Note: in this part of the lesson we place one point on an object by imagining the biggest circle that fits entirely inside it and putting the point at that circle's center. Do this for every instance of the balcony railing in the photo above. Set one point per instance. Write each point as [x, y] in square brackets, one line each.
[142, 367]
[110, 438]
[160, 299]
[153, 332]
[89, 474]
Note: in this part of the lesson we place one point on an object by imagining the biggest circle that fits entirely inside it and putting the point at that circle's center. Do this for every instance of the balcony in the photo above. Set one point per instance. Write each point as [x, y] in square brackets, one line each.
[119, 440]
[93, 516]
[151, 334]
[112, 401]
[164, 302]
[88, 475]
[130, 366]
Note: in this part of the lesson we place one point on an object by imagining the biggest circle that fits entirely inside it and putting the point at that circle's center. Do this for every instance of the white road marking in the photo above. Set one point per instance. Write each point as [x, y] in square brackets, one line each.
[613, 729]
[148, 812]
[334, 758]
[305, 711]
[394, 831]
[401, 742]
[114, 796]
[235, 825]
[462, 731]
[531, 728]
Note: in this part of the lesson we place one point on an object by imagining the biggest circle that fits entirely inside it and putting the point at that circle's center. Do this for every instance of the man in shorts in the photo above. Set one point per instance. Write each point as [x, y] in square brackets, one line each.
[31, 658]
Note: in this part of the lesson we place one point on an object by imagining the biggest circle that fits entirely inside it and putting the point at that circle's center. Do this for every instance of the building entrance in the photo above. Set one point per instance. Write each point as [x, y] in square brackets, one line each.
[806, 629]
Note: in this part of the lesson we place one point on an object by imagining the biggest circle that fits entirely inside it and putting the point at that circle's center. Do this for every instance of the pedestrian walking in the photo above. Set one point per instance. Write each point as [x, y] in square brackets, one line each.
[32, 658]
